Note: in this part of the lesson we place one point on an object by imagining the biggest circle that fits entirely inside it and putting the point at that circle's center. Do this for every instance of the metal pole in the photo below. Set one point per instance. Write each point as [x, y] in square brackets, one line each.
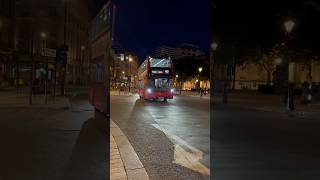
[31, 82]
[211, 91]
[290, 97]
[234, 73]
[32, 68]
[130, 77]
[290, 94]
[46, 78]
[64, 43]
[55, 78]
[17, 75]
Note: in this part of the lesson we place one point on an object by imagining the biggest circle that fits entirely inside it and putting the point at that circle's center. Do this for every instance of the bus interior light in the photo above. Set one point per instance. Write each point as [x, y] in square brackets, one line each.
[172, 90]
[149, 90]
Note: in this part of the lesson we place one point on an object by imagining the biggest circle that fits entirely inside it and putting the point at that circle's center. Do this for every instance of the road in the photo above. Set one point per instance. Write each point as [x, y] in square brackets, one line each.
[165, 134]
[252, 144]
[43, 143]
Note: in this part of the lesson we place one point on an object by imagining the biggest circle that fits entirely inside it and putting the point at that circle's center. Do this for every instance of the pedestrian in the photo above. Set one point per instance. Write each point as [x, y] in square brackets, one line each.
[201, 92]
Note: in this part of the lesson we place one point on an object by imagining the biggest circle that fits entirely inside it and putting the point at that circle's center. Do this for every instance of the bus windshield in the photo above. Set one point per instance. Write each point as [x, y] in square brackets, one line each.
[162, 63]
[162, 83]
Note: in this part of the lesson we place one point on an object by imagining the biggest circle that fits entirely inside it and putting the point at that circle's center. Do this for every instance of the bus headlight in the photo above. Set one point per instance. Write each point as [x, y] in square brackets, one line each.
[149, 90]
[172, 90]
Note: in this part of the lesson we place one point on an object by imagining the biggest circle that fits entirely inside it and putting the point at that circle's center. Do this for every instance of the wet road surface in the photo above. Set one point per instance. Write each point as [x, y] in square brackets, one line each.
[164, 134]
[251, 144]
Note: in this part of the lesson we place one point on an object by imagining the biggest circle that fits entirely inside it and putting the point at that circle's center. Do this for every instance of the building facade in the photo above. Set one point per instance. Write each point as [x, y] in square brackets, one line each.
[250, 76]
[179, 52]
[124, 67]
[39, 24]
[7, 11]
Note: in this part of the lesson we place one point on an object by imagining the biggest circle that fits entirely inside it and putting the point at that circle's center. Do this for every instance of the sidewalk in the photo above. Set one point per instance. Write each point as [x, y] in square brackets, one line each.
[195, 96]
[13, 100]
[122, 93]
[270, 103]
[124, 162]
[117, 170]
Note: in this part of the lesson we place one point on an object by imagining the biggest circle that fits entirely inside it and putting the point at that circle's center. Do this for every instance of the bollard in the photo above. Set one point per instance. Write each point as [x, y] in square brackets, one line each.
[290, 97]
[309, 95]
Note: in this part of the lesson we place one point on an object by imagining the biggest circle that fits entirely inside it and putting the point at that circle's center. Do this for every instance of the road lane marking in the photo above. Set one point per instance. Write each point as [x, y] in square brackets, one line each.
[189, 158]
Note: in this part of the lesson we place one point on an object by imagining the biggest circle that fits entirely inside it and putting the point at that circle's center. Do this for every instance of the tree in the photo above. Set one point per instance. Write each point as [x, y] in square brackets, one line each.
[187, 68]
[307, 58]
[267, 59]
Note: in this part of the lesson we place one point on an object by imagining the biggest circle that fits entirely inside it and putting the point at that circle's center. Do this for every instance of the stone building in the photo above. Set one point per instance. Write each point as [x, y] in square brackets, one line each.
[39, 24]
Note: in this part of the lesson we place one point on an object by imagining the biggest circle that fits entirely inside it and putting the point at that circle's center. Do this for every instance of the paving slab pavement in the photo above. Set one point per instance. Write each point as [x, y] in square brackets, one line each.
[124, 162]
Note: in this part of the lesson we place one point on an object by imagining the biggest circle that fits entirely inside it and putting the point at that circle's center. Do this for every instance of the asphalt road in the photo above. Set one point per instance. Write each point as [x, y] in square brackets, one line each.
[158, 131]
[254, 144]
[51, 144]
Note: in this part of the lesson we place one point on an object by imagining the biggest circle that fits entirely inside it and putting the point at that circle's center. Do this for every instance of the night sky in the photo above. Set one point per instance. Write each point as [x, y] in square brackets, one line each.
[143, 25]
[249, 23]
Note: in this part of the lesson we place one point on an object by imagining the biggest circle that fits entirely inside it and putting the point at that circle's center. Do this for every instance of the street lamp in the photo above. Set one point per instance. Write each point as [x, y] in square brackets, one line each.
[130, 74]
[214, 46]
[289, 25]
[278, 61]
[83, 48]
[200, 69]
[43, 35]
[177, 75]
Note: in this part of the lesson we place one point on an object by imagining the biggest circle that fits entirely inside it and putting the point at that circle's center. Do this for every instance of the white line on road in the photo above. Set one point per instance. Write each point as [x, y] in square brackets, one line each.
[183, 157]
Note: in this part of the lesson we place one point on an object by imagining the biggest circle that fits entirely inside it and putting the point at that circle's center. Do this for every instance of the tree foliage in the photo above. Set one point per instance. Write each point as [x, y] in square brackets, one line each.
[187, 68]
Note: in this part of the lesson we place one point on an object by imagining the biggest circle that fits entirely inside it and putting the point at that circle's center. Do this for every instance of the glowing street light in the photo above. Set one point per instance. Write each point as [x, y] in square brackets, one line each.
[130, 59]
[43, 35]
[214, 46]
[289, 24]
[177, 75]
[123, 72]
[278, 61]
[200, 69]
[197, 80]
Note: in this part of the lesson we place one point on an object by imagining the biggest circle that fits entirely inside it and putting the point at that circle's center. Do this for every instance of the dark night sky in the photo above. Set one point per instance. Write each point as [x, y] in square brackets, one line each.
[249, 23]
[143, 25]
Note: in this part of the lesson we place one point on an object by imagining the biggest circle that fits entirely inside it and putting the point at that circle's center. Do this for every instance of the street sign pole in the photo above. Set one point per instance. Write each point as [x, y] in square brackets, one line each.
[55, 78]
[32, 67]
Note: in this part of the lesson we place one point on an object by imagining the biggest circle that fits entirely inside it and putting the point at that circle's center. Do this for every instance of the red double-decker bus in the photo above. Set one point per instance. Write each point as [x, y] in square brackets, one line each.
[100, 44]
[155, 79]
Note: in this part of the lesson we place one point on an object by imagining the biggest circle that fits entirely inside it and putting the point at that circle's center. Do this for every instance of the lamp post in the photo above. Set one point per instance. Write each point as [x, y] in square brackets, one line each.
[43, 35]
[1, 25]
[130, 74]
[83, 48]
[289, 25]
[214, 47]
[199, 70]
